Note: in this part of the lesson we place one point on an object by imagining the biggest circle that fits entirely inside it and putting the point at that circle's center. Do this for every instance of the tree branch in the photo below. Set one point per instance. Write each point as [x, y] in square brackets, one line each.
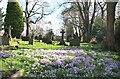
[77, 25]
[93, 15]
[32, 8]
[38, 19]
[80, 10]
[34, 13]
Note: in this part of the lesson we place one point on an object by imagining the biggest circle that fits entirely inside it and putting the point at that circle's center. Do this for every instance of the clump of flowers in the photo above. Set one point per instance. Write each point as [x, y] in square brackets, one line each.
[68, 62]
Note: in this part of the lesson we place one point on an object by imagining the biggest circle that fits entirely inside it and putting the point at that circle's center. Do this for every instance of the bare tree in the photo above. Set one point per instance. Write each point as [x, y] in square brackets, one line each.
[31, 12]
[73, 21]
[84, 19]
[84, 9]
[35, 13]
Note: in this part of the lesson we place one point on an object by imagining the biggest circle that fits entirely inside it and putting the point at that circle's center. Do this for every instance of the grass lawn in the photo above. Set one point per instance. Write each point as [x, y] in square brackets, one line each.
[51, 62]
[36, 45]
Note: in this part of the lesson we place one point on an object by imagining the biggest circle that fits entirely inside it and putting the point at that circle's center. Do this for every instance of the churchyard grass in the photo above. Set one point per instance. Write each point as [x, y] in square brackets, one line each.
[36, 45]
[42, 60]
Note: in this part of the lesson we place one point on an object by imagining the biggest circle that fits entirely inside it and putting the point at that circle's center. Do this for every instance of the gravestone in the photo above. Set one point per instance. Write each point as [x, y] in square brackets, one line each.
[40, 37]
[75, 42]
[62, 42]
[69, 37]
[4, 40]
[31, 39]
[25, 38]
[48, 39]
[36, 37]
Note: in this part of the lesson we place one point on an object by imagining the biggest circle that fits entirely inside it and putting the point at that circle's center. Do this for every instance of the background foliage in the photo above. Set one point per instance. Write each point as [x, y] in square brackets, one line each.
[99, 29]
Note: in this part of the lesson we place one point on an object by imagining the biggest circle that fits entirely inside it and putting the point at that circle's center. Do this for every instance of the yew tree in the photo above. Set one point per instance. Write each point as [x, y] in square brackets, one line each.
[14, 19]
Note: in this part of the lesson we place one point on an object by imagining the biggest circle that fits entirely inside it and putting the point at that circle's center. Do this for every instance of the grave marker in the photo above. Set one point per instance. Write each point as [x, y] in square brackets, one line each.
[62, 42]
[75, 41]
[4, 39]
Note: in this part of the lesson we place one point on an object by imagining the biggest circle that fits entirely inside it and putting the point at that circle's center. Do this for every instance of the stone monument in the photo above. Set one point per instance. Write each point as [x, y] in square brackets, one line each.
[75, 41]
[62, 42]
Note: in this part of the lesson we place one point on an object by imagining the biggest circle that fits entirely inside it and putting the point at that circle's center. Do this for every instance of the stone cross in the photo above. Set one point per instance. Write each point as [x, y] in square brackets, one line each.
[62, 34]
[62, 42]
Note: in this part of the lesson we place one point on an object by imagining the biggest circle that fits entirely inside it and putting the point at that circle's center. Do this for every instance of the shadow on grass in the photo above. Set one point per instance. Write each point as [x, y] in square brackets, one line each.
[95, 47]
[98, 48]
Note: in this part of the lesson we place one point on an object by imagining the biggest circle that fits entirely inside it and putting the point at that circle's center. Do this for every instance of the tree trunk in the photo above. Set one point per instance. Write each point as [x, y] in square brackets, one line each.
[102, 15]
[92, 20]
[27, 27]
[110, 25]
[27, 19]
[86, 24]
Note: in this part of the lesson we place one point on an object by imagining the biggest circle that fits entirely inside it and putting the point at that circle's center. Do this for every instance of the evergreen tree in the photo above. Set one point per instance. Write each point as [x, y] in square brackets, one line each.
[14, 18]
